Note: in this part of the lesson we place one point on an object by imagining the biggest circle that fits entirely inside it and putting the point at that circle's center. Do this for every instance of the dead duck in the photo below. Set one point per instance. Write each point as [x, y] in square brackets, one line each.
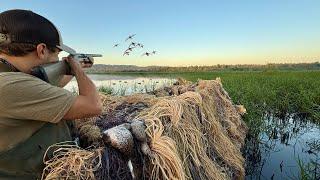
[138, 131]
[120, 138]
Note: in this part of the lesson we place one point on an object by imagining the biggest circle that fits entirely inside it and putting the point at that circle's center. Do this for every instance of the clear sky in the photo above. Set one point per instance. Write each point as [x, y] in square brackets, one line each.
[186, 32]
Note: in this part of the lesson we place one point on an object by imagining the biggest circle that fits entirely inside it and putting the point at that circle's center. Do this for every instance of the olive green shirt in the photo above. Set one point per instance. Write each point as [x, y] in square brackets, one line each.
[31, 113]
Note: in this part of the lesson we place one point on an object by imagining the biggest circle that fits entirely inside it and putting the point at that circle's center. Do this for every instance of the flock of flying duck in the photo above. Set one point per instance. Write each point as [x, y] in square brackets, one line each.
[134, 45]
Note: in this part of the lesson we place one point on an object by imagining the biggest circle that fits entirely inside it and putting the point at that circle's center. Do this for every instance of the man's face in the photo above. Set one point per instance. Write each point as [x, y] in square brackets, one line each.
[52, 55]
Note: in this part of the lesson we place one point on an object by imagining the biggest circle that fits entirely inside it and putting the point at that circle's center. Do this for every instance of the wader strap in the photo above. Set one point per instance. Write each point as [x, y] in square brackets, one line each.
[5, 66]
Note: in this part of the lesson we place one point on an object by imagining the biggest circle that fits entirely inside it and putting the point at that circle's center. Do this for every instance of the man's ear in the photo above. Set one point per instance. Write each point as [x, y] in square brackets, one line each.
[42, 51]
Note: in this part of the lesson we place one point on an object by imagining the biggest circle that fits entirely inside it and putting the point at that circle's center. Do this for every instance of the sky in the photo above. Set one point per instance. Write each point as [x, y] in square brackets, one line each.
[186, 32]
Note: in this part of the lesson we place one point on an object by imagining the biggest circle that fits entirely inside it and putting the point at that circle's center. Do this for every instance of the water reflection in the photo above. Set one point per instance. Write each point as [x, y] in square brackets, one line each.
[124, 85]
[276, 151]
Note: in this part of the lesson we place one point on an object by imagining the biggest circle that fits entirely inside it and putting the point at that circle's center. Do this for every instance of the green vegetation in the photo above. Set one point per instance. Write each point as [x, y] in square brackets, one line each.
[307, 170]
[122, 88]
[102, 68]
[276, 92]
[105, 90]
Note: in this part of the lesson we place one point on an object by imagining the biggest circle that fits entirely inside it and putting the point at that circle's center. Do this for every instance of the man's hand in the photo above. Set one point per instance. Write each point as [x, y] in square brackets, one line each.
[75, 66]
[87, 64]
[67, 78]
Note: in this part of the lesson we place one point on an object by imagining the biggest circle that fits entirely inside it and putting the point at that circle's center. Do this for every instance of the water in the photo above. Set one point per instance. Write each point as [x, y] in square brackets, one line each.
[124, 85]
[279, 147]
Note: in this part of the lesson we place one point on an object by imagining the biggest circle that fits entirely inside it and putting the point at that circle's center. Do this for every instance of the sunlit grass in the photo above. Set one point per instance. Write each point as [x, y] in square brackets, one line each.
[277, 92]
[105, 90]
[124, 88]
[308, 170]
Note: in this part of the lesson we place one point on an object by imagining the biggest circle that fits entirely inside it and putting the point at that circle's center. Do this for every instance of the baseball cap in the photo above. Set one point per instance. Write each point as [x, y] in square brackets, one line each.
[25, 26]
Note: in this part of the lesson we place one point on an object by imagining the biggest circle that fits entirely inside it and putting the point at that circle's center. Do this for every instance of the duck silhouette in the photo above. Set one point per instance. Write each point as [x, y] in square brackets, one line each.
[154, 52]
[133, 44]
[126, 53]
[140, 45]
[116, 45]
[146, 53]
[130, 37]
[130, 48]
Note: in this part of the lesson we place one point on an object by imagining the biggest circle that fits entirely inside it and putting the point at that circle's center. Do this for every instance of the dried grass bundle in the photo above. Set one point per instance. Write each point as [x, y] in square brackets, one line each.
[209, 142]
[69, 161]
[220, 103]
[181, 123]
[222, 146]
[193, 130]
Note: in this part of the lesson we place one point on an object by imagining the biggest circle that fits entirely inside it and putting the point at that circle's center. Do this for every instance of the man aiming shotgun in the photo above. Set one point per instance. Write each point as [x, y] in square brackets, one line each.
[33, 113]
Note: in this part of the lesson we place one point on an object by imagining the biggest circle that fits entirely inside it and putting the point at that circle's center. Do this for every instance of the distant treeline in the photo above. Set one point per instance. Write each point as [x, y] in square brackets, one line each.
[101, 68]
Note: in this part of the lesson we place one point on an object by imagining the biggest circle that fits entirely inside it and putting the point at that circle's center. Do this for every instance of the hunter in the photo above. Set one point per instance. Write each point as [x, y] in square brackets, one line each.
[34, 113]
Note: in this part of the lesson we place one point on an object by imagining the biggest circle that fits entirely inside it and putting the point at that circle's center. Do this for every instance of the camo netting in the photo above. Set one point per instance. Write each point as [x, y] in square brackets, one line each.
[185, 131]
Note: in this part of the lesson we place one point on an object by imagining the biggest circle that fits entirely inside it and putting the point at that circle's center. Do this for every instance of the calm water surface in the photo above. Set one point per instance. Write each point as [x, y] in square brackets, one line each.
[275, 153]
[124, 85]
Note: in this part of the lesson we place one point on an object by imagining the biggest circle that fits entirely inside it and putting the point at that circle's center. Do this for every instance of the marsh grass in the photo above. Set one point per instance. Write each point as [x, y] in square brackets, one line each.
[124, 88]
[310, 170]
[278, 92]
[107, 90]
